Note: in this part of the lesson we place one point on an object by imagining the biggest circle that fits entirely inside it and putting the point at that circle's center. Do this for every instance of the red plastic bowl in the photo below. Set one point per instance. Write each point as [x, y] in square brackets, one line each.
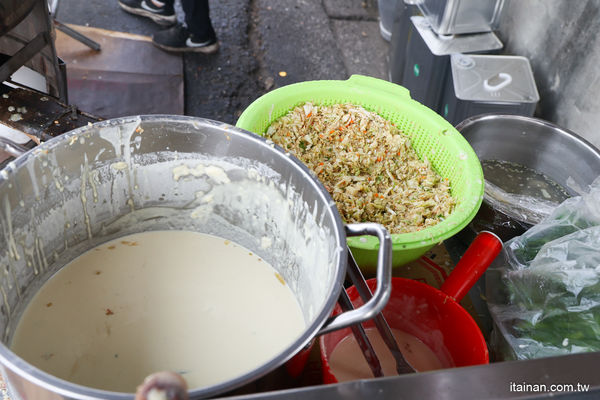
[433, 316]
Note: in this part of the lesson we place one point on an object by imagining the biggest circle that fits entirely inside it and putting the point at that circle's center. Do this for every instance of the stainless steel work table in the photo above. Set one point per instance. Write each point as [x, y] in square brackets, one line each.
[480, 382]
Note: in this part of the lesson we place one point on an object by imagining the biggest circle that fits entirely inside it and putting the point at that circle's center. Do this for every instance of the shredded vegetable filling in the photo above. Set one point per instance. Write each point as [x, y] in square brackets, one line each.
[367, 164]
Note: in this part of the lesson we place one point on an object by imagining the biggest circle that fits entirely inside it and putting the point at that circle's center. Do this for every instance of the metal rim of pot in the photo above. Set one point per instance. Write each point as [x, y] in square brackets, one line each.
[547, 148]
[321, 324]
[580, 154]
[533, 120]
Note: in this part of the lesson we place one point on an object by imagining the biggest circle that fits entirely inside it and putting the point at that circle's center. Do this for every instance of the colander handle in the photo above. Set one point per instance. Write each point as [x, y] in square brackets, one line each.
[369, 83]
[384, 278]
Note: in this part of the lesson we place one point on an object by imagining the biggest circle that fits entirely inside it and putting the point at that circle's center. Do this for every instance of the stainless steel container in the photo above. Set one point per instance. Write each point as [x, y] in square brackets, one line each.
[386, 10]
[480, 84]
[402, 29]
[116, 177]
[392, 11]
[448, 17]
[427, 62]
[562, 155]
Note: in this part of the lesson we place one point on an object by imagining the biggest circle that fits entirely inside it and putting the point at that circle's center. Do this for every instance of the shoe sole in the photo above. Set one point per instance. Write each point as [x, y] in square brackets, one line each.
[159, 19]
[210, 49]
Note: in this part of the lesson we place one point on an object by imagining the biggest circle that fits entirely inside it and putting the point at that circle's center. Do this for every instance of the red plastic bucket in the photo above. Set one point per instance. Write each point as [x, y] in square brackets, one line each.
[431, 315]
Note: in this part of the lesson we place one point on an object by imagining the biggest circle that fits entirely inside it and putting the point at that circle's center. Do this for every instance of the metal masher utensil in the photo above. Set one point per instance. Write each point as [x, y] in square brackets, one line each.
[357, 278]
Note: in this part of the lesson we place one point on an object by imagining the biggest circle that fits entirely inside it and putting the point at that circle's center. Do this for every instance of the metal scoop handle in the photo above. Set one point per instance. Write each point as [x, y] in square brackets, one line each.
[362, 339]
[384, 277]
[356, 276]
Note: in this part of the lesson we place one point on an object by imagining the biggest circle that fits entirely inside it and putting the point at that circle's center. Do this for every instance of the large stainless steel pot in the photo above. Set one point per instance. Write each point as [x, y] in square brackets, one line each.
[118, 177]
[558, 153]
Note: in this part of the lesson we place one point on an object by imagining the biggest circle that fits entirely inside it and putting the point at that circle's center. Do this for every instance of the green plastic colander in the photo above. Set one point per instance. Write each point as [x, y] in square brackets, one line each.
[431, 136]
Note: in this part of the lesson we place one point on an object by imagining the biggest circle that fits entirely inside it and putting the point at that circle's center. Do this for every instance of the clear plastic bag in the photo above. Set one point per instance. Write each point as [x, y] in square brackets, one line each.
[543, 290]
[528, 209]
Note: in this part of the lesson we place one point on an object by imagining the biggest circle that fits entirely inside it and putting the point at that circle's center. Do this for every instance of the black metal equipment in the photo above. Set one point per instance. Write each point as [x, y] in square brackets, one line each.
[27, 40]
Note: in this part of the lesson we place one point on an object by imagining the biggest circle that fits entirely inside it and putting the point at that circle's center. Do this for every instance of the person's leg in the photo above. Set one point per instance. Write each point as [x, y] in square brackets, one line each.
[197, 36]
[160, 11]
[197, 19]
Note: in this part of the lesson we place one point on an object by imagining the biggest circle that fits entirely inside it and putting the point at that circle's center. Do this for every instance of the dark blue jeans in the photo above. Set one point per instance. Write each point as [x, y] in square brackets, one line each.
[197, 18]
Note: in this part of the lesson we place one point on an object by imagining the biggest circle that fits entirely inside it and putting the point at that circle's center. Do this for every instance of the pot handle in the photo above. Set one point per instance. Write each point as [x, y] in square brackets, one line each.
[384, 277]
[478, 257]
[12, 148]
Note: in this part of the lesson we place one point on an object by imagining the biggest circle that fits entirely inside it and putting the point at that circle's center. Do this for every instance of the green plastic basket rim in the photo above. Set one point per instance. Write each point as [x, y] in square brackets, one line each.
[386, 95]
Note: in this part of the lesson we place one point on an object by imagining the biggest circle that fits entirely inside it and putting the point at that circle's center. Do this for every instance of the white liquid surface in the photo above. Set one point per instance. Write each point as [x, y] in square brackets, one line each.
[166, 300]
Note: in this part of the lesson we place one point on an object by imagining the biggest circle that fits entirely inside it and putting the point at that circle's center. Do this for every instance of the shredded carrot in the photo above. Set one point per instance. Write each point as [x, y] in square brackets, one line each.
[353, 181]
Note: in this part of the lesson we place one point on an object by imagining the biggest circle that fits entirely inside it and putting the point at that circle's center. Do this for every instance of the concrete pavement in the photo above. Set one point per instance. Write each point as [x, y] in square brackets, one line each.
[306, 39]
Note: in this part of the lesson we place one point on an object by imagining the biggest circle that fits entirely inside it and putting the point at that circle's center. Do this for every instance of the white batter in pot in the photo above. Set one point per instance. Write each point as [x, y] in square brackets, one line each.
[165, 300]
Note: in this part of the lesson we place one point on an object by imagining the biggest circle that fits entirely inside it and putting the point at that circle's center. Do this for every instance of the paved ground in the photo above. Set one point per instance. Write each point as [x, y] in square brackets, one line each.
[306, 39]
